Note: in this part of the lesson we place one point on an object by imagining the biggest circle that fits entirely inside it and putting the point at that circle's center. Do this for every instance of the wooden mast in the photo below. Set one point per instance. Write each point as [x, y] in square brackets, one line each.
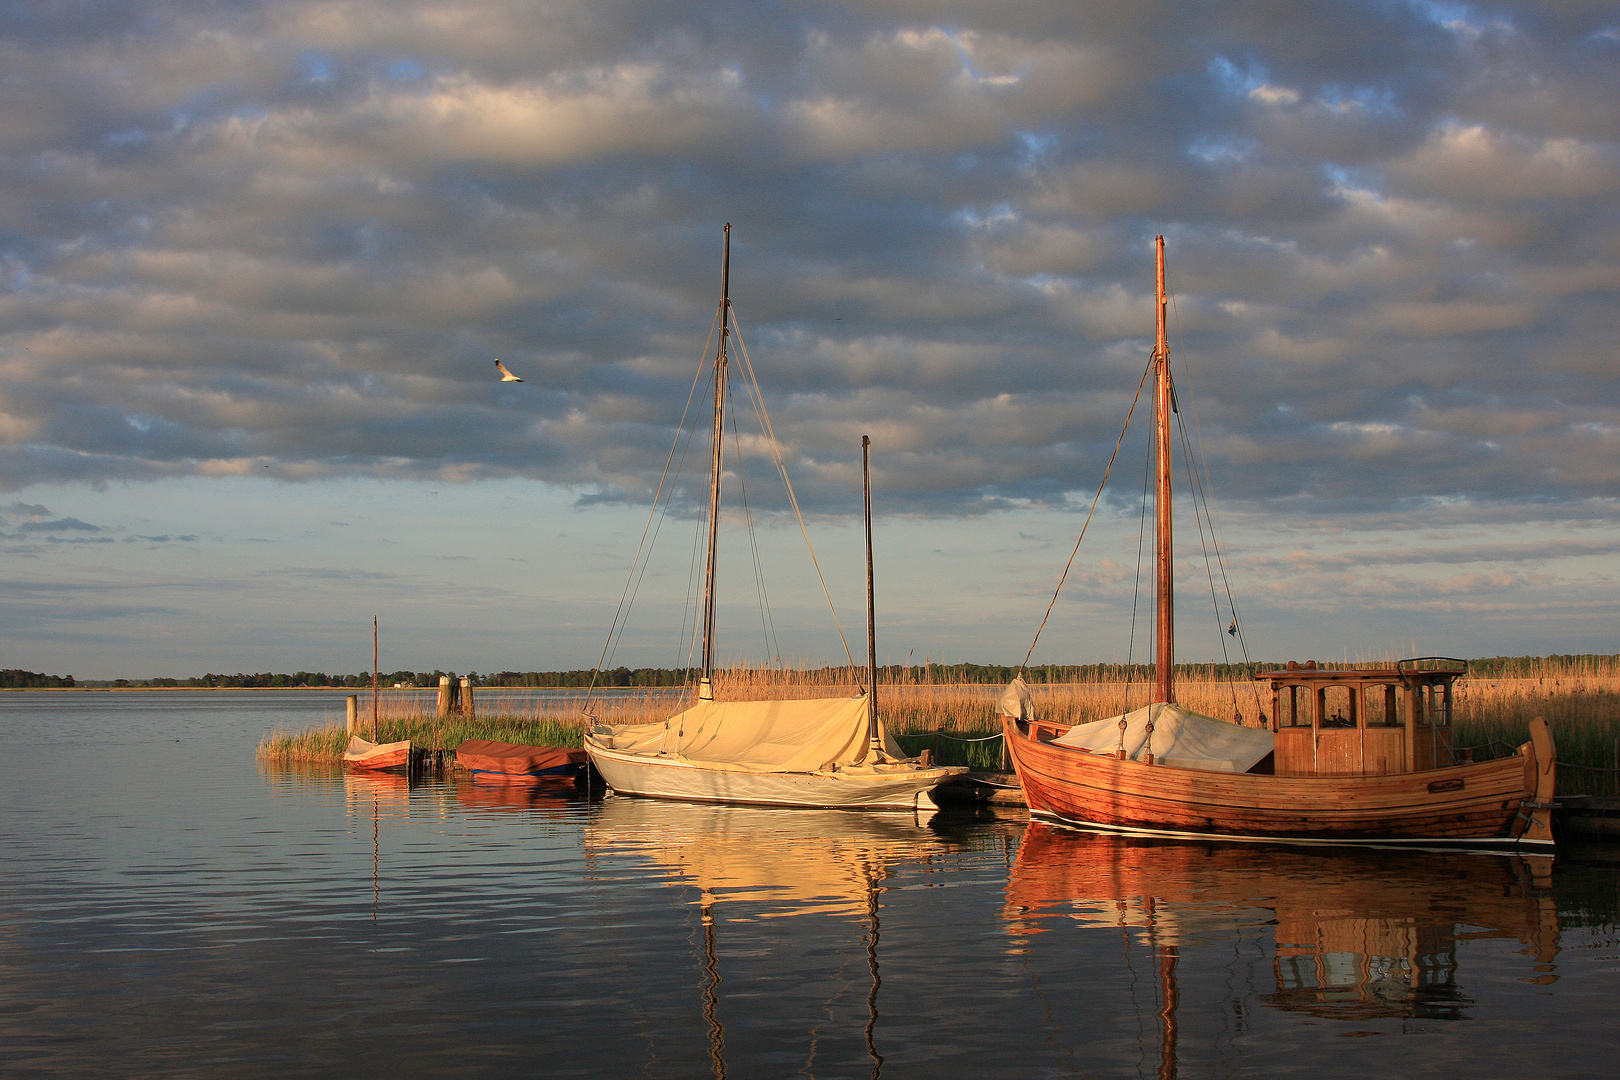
[874, 745]
[1165, 642]
[706, 683]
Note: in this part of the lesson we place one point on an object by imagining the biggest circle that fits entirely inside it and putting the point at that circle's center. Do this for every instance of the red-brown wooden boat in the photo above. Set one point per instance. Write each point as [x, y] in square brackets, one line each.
[1360, 756]
[516, 763]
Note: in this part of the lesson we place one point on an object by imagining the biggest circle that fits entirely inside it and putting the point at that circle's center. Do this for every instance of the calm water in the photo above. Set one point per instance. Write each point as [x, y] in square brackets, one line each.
[168, 908]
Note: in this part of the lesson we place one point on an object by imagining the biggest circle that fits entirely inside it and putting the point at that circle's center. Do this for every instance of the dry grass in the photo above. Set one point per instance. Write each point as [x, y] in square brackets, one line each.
[1580, 698]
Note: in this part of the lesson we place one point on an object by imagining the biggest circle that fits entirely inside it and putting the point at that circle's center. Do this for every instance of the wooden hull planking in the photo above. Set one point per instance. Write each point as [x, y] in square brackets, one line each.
[1463, 804]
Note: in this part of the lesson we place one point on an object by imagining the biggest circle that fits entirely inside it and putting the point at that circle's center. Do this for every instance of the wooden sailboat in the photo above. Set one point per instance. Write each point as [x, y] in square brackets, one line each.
[1359, 756]
[825, 752]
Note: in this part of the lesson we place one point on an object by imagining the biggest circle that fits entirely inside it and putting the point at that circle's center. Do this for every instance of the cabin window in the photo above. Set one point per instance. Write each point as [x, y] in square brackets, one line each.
[1293, 707]
[1380, 706]
[1436, 702]
[1338, 706]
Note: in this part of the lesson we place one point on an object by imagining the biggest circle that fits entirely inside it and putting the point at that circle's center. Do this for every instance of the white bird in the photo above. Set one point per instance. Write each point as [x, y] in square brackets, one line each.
[506, 376]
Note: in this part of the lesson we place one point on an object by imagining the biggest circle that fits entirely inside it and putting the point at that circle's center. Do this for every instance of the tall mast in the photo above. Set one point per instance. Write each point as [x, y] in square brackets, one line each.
[706, 683]
[1165, 643]
[873, 743]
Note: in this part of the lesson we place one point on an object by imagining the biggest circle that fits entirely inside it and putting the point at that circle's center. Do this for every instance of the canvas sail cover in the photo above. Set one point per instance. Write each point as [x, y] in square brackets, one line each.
[756, 736]
[1181, 739]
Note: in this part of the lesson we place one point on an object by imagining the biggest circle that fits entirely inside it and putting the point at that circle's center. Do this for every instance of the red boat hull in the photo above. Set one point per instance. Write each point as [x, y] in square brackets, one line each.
[1499, 801]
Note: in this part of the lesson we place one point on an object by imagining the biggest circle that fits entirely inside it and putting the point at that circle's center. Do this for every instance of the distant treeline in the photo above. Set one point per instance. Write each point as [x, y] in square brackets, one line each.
[298, 679]
[1533, 667]
[17, 679]
[892, 673]
[1494, 667]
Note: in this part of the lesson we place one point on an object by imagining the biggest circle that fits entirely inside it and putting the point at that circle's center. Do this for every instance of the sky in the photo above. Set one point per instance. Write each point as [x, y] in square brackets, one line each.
[256, 260]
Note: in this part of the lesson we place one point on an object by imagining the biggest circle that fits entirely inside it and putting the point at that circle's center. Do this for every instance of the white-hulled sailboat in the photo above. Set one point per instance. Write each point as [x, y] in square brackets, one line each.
[818, 752]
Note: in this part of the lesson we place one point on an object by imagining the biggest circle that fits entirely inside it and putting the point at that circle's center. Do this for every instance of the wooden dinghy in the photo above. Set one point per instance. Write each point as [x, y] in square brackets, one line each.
[374, 756]
[1347, 756]
[515, 763]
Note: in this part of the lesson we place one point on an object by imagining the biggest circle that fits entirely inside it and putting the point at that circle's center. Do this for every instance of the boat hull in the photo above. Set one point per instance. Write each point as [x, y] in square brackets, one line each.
[374, 757]
[671, 777]
[517, 763]
[1491, 803]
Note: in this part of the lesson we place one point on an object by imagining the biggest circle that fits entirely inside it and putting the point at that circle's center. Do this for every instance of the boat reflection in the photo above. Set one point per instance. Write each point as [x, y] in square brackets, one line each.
[1355, 935]
[478, 795]
[750, 864]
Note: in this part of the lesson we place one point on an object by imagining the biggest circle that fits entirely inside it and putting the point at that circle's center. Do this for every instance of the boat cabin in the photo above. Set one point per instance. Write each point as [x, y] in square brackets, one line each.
[1363, 721]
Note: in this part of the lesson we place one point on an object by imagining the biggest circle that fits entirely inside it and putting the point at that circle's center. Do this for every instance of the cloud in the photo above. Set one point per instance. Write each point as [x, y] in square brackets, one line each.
[284, 239]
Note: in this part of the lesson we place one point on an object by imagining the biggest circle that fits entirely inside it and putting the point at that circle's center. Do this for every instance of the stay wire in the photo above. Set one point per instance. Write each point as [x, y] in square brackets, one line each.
[1136, 594]
[781, 467]
[1203, 484]
[620, 615]
[1087, 524]
[767, 623]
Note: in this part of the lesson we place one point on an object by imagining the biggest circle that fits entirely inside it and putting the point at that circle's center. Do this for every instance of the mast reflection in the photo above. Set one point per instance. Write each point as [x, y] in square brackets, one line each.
[764, 864]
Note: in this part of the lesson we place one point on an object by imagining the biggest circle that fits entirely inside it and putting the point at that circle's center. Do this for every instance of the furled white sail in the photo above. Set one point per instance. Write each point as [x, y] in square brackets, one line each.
[1180, 739]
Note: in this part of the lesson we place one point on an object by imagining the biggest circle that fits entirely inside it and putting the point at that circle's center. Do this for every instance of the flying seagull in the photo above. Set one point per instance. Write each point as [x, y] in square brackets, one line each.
[506, 376]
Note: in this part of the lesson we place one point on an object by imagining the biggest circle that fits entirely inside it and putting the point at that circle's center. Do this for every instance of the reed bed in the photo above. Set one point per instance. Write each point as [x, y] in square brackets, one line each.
[1580, 697]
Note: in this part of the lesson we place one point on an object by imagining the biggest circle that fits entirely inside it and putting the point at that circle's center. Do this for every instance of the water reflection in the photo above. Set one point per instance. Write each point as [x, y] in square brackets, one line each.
[752, 864]
[1355, 936]
[474, 795]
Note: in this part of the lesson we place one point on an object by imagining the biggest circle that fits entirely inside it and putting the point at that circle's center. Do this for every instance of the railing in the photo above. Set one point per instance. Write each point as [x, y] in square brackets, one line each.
[1573, 779]
[970, 752]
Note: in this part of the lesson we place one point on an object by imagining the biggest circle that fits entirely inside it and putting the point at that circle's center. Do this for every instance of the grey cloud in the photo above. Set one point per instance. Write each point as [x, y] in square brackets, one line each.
[328, 573]
[59, 525]
[293, 235]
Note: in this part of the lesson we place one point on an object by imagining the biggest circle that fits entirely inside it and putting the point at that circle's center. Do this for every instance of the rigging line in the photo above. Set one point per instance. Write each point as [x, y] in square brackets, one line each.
[1087, 524]
[1204, 485]
[1136, 593]
[691, 605]
[653, 509]
[640, 574]
[1199, 518]
[781, 467]
[766, 623]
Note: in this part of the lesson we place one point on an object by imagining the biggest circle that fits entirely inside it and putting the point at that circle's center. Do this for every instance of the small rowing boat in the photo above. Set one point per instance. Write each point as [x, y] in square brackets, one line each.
[375, 756]
[515, 763]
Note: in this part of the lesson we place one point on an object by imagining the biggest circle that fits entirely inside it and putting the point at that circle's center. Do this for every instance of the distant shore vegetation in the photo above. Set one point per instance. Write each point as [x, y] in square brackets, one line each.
[1493, 667]
[952, 707]
[17, 679]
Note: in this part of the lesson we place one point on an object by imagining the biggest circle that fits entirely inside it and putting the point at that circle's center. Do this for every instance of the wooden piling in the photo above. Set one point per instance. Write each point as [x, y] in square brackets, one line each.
[352, 711]
[443, 709]
[467, 698]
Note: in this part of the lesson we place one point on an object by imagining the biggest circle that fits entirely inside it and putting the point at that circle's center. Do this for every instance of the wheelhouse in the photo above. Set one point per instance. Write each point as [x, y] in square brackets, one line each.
[1363, 721]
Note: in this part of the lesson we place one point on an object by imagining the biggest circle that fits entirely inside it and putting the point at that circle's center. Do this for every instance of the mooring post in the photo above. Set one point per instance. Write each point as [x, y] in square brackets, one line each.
[467, 698]
[444, 696]
[353, 712]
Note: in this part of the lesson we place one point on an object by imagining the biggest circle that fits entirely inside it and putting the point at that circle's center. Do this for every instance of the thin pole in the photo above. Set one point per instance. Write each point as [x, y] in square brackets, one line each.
[871, 616]
[706, 684]
[374, 679]
[1164, 578]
